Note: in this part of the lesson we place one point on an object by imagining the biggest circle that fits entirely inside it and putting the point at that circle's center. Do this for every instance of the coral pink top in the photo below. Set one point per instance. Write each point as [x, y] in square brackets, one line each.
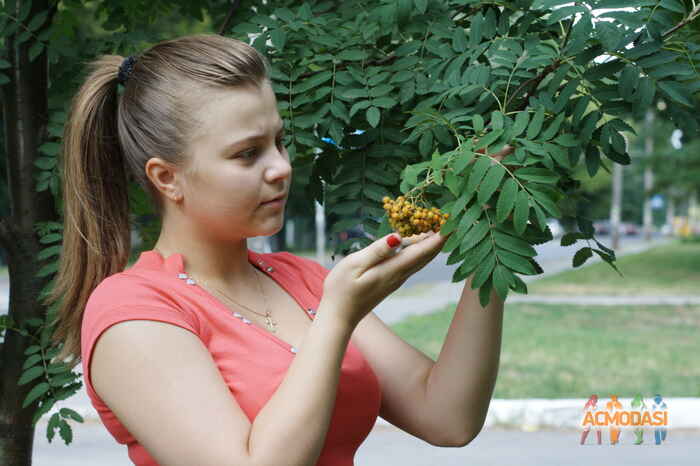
[252, 360]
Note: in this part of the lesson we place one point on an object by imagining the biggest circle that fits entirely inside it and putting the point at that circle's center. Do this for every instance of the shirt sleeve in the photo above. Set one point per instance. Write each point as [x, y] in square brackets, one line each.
[119, 299]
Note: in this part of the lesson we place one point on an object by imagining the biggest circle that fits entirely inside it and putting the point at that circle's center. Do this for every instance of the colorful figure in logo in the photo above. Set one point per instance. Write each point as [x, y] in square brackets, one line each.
[660, 406]
[591, 405]
[639, 405]
[613, 405]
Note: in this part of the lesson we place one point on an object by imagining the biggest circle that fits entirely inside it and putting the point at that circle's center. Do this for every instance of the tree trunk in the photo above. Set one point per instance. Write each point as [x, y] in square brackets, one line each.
[25, 110]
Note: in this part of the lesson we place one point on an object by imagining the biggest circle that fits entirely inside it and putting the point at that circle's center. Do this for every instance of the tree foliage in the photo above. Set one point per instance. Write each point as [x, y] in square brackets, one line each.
[429, 87]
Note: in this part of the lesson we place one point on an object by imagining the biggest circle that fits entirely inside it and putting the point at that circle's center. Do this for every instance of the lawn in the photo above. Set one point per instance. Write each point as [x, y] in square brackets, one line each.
[564, 351]
[671, 269]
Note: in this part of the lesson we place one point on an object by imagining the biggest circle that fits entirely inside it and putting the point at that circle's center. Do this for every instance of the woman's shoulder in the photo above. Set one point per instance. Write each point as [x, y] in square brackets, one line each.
[133, 288]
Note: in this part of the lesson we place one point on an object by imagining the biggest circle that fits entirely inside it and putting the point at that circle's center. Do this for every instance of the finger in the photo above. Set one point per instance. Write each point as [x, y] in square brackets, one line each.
[378, 251]
[432, 251]
[416, 256]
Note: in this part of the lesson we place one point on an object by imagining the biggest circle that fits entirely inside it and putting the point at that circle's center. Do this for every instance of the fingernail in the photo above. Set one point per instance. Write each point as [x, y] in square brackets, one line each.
[393, 241]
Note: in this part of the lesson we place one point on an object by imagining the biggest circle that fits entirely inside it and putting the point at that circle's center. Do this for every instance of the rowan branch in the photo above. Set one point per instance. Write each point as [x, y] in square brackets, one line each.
[693, 14]
[536, 80]
[229, 16]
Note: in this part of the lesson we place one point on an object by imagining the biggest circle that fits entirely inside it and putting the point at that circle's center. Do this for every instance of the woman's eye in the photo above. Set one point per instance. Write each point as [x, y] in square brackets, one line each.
[249, 154]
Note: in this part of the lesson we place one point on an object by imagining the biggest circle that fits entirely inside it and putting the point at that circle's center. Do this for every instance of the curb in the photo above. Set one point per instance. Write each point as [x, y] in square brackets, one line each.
[540, 413]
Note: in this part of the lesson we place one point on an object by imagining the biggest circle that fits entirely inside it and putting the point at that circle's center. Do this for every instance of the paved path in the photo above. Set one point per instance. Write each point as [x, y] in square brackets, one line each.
[385, 446]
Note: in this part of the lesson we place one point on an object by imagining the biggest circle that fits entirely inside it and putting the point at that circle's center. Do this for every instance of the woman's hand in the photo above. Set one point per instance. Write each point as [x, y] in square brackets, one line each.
[364, 278]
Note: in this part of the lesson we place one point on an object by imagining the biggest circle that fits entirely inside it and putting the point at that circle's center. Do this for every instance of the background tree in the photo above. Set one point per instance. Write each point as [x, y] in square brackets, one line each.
[422, 83]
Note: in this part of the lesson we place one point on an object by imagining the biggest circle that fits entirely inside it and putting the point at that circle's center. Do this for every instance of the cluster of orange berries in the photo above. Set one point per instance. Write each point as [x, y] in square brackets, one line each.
[409, 219]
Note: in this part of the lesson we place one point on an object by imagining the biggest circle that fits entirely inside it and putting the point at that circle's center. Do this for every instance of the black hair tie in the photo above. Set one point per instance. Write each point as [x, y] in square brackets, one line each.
[125, 69]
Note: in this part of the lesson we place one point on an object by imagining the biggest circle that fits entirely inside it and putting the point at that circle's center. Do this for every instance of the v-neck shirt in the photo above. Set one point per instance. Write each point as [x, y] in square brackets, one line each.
[252, 360]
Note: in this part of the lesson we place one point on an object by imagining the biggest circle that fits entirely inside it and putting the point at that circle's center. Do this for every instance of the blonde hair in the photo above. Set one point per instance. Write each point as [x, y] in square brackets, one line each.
[107, 141]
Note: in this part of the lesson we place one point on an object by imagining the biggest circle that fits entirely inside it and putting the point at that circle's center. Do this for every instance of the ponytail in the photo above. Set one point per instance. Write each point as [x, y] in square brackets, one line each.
[97, 230]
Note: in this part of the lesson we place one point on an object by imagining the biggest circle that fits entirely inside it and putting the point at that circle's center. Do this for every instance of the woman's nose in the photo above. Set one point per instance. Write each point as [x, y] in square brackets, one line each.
[280, 167]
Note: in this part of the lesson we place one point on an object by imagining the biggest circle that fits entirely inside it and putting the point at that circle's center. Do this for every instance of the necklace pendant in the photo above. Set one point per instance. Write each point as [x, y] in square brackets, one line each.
[270, 324]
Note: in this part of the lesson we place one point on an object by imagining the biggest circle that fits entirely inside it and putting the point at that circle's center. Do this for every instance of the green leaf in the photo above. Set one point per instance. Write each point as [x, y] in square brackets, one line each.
[674, 91]
[492, 180]
[559, 154]
[506, 200]
[69, 413]
[459, 40]
[355, 93]
[470, 216]
[476, 234]
[549, 205]
[465, 155]
[502, 278]
[475, 30]
[673, 5]
[539, 175]
[567, 140]
[488, 139]
[352, 54]
[536, 124]
[384, 102]
[553, 128]
[313, 81]
[35, 50]
[483, 271]
[566, 94]
[478, 172]
[278, 38]
[515, 262]
[35, 393]
[513, 244]
[521, 121]
[30, 374]
[477, 123]
[31, 360]
[659, 58]
[373, 116]
[33, 348]
[522, 212]
[496, 120]
[453, 182]
[581, 256]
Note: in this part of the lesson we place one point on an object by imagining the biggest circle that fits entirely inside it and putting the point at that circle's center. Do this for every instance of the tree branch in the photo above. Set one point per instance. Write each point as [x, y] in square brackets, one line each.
[227, 22]
[536, 80]
[693, 14]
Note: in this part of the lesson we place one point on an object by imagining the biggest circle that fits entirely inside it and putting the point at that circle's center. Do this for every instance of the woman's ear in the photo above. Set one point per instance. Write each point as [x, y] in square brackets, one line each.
[163, 176]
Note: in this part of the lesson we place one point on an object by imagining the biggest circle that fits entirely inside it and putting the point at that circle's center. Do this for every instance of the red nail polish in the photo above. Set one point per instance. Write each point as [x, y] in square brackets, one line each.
[393, 241]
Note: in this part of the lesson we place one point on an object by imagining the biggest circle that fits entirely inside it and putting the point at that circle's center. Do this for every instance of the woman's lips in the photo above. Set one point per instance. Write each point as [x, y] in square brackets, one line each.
[276, 203]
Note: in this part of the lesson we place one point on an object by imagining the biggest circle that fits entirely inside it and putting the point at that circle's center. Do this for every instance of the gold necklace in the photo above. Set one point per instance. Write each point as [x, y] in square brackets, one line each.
[269, 321]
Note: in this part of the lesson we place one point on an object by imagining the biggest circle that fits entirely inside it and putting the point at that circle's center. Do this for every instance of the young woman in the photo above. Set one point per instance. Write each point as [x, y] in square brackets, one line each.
[204, 352]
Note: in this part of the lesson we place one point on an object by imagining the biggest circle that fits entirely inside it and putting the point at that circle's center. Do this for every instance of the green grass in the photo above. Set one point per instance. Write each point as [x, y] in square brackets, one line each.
[671, 269]
[564, 351]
